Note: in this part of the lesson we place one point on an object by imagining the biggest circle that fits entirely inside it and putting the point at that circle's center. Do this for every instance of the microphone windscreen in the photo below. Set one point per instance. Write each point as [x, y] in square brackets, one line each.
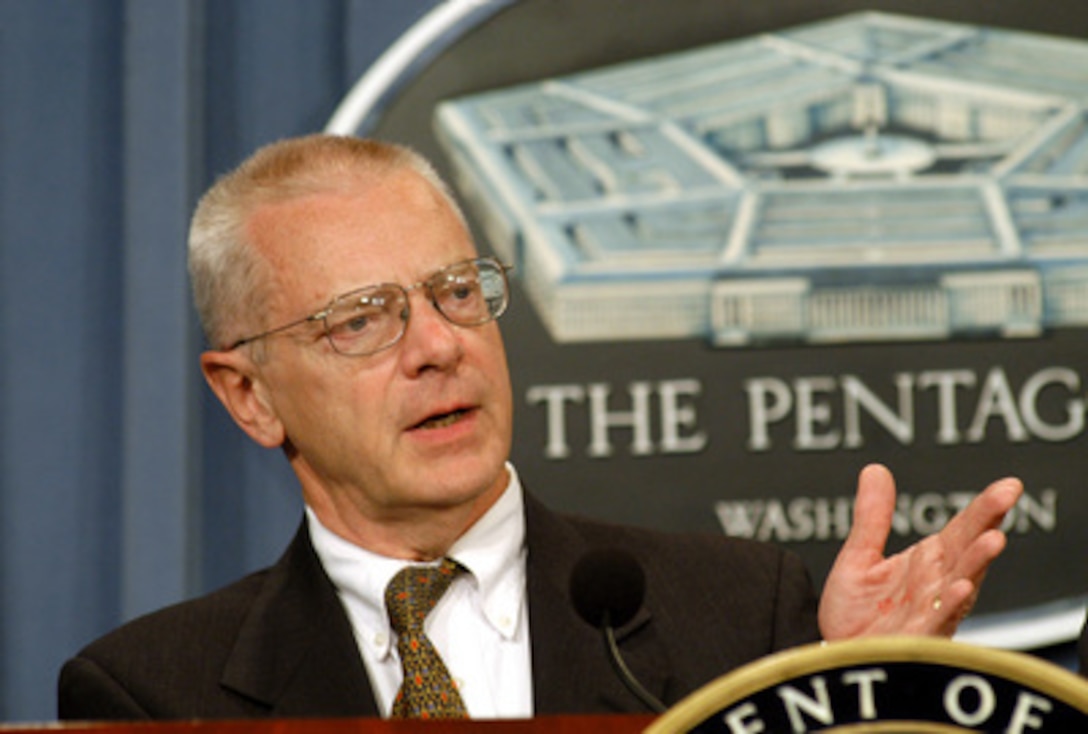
[607, 579]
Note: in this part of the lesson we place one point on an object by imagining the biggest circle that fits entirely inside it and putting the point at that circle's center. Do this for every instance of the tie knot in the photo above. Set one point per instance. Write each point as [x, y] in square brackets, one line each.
[413, 592]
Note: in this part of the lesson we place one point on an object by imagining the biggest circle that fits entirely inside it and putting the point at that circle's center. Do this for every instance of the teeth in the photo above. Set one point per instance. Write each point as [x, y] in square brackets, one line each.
[446, 420]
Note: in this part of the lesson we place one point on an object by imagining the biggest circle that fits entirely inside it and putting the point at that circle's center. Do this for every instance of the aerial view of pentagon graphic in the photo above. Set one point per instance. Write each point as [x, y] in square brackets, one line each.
[869, 177]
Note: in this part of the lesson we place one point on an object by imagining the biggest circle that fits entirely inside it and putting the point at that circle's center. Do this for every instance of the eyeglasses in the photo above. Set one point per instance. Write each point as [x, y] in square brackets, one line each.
[370, 319]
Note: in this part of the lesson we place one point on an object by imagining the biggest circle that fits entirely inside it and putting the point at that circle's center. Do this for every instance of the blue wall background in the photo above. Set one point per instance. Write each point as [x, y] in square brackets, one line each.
[122, 485]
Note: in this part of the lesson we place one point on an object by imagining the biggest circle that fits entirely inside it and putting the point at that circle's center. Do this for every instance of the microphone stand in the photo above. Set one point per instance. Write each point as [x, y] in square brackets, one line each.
[625, 674]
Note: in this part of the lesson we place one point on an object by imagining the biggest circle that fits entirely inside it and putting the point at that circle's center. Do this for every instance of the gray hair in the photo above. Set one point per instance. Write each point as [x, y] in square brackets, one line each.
[230, 278]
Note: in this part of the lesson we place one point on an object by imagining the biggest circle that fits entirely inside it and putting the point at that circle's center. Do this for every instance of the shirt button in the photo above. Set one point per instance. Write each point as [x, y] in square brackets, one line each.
[380, 639]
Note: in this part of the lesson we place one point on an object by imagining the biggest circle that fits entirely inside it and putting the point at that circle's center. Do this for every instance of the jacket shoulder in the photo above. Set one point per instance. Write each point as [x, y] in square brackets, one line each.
[165, 664]
[212, 620]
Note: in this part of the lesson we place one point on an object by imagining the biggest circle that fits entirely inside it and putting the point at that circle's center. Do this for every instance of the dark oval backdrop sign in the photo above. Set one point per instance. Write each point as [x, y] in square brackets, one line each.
[759, 246]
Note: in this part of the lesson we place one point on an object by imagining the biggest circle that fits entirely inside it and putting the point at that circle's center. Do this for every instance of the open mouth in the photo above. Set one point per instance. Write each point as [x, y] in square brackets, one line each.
[442, 421]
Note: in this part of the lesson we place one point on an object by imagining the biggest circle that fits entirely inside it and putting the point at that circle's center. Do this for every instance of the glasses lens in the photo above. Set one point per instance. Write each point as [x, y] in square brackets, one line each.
[471, 293]
[367, 320]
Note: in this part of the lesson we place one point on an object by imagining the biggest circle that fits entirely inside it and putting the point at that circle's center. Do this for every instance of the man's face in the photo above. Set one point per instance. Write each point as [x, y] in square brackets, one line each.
[423, 425]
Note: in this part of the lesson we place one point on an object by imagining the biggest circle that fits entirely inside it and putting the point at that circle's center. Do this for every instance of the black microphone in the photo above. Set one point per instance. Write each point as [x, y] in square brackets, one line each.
[607, 587]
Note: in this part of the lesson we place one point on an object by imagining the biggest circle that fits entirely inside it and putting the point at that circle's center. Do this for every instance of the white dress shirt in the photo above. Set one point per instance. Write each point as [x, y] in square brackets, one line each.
[480, 627]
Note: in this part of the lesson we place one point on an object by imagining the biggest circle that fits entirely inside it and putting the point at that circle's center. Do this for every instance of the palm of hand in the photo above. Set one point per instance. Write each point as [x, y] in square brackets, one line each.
[929, 587]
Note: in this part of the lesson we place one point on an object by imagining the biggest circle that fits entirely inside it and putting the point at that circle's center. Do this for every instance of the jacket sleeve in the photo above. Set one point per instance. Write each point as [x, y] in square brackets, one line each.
[87, 692]
[796, 606]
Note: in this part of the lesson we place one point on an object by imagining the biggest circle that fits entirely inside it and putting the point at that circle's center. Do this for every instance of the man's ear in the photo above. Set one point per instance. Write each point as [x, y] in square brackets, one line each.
[234, 378]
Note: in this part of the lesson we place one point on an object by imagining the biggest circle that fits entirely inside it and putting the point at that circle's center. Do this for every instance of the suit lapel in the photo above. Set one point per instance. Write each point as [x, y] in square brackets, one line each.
[571, 670]
[295, 652]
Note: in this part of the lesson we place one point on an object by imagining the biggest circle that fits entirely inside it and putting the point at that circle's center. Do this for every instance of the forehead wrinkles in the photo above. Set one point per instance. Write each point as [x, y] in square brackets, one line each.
[308, 239]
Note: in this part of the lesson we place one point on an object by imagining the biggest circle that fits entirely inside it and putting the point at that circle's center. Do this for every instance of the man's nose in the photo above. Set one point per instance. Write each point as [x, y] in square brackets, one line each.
[430, 339]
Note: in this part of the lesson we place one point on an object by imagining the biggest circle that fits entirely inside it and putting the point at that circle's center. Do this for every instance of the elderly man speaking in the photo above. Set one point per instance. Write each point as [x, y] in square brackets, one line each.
[353, 324]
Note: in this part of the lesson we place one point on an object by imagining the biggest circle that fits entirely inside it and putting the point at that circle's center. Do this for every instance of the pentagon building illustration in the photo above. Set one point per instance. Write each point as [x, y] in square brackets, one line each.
[869, 177]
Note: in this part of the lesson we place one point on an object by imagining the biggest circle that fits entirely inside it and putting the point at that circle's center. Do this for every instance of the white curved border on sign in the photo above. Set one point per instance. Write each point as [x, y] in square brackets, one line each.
[421, 42]
[1023, 629]
[1027, 629]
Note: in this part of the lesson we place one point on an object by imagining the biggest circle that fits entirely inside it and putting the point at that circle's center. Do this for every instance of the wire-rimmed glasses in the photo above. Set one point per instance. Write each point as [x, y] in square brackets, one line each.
[373, 318]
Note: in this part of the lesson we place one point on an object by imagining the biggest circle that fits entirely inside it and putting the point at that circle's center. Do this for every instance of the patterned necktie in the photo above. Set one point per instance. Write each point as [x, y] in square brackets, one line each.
[427, 691]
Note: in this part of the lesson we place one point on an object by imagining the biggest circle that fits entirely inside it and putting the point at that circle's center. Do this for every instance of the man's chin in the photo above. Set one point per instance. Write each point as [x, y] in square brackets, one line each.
[450, 488]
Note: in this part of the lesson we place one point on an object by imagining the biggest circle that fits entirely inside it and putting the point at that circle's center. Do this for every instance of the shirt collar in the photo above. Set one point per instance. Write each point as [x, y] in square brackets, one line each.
[492, 551]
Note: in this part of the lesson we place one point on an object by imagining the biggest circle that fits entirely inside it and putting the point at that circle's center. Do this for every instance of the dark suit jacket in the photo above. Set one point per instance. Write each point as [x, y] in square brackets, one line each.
[278, 642]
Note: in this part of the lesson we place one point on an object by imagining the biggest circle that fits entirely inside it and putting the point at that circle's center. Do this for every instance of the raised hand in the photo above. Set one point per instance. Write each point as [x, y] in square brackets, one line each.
[927, 588]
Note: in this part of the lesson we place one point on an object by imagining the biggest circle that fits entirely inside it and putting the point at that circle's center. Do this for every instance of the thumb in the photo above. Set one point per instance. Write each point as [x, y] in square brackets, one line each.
[874, 506]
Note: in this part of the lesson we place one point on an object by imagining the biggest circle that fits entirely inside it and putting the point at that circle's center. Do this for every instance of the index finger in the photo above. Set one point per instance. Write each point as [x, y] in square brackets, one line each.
[984, 512]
